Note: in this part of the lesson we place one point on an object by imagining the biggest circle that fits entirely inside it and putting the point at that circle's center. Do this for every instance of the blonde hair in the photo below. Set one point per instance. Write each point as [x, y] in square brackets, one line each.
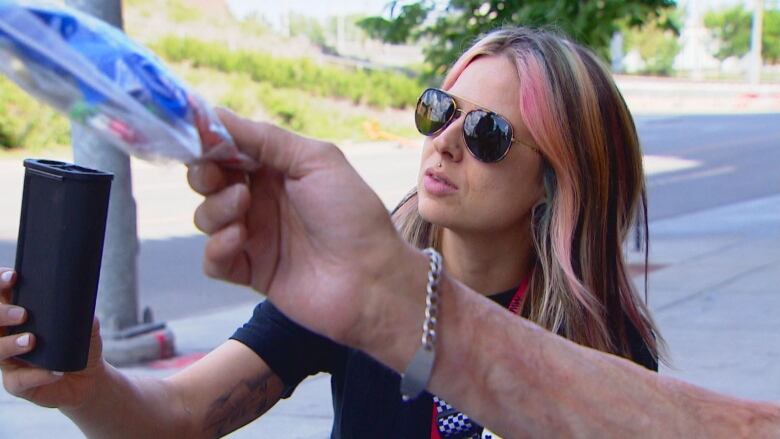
[594, 183]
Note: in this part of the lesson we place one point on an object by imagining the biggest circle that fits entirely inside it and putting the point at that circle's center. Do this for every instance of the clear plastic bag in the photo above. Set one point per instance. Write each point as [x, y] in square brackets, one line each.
[100, 78]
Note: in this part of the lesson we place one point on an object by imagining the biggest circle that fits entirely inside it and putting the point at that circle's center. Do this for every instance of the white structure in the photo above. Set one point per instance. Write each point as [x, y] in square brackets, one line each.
[695, 41]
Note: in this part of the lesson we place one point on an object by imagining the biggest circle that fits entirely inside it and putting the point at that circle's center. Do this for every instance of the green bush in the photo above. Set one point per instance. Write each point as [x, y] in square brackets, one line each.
[26, 123]
[658, 49]
[319, 117]
[657, 45]
[371, 87]
[316, 116]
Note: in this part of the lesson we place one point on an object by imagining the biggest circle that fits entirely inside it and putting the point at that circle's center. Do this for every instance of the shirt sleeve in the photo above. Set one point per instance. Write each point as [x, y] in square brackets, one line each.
[290, 350]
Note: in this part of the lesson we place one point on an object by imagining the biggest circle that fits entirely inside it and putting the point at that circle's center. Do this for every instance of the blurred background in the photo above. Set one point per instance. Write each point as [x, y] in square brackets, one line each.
[701, 78]
[350, 69]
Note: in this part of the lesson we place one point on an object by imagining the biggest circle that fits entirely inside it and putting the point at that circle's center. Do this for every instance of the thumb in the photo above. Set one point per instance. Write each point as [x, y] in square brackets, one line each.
[272, 146]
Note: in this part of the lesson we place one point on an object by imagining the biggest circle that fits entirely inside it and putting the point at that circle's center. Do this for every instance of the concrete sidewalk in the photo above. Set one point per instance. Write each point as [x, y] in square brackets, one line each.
[646, 95]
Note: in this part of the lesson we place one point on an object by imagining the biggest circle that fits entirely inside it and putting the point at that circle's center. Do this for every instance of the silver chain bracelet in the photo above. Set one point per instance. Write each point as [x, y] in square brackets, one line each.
[417, 375]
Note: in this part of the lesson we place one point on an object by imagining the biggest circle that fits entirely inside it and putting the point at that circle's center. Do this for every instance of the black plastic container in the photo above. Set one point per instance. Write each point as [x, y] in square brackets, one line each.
[58, 256]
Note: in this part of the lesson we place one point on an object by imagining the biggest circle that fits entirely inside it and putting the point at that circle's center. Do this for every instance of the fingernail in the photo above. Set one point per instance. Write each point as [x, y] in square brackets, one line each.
[57, 373]
[15, 313]
[7, 276]
[23, 341]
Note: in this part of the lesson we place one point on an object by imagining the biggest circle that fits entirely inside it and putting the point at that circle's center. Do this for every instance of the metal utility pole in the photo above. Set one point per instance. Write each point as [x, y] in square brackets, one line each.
[755, 42]
[126, 340]
[616, 52]
[341, 34]
[117, 305]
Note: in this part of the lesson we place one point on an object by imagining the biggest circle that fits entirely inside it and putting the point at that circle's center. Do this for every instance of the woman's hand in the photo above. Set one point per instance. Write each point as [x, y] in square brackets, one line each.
[304, 229]
[42, 387]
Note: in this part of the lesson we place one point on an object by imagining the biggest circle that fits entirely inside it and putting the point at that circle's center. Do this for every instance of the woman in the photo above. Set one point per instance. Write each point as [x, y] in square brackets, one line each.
[556, 204]
[547, 210]
[530, 176]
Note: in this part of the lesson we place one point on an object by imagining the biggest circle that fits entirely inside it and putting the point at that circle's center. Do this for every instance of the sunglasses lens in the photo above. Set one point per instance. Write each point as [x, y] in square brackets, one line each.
[488, 135]
[434, 110]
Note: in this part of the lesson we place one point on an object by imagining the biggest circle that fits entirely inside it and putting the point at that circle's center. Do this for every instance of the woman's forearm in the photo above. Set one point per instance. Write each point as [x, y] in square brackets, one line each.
[522, 381]
[129, 407]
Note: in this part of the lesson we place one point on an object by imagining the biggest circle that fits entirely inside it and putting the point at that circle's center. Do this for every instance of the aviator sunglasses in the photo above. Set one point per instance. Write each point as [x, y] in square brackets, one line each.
[488, 135]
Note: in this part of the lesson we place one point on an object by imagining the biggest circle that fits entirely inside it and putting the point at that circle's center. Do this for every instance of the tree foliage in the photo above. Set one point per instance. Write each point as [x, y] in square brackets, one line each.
[657, 46]
[449, 27]
[732, 28]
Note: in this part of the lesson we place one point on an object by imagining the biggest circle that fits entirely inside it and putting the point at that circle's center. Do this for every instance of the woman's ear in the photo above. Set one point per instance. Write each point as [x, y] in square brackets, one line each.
[539, 211]
[548, 178]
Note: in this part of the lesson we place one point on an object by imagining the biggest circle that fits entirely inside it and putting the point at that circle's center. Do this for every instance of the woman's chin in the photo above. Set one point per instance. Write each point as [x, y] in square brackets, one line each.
[436, 215]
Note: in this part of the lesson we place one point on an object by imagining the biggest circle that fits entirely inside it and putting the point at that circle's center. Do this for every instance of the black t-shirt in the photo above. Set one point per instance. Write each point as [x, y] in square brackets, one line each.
[366, 394]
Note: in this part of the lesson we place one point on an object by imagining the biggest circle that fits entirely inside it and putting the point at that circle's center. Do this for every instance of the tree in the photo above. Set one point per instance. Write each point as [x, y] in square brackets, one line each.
[770, 39]
[657, 46]
[731, 28]
[448, 27]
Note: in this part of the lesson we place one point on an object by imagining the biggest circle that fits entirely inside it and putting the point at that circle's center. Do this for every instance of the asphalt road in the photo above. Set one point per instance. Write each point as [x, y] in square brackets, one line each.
[737, 159]
[727, 159]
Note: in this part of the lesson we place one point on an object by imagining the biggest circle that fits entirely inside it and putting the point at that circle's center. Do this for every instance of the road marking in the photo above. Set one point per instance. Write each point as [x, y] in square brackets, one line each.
[712, 172]
[660, 164]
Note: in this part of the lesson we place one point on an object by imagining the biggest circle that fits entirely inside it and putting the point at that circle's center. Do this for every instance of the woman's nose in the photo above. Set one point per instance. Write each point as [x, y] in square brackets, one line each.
[449, 142]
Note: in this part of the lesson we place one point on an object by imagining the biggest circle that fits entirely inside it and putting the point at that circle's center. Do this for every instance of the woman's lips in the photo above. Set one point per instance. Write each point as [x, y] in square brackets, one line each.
[436, 184]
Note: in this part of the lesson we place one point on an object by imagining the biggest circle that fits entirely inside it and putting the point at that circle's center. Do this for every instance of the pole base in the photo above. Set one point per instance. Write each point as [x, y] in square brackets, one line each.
[139, 344]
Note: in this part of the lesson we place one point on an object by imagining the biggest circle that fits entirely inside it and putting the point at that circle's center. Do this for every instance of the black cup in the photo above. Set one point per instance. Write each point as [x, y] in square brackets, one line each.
[58, 256]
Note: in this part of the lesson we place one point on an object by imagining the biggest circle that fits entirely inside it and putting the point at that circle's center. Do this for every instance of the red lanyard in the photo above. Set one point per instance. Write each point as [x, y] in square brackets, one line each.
[517, 299]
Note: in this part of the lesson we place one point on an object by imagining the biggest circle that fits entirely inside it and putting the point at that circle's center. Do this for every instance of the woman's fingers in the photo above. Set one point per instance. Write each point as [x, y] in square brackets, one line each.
[11, 315]
[7, 279]
[222, 208]
[13, 345]
[18, 380]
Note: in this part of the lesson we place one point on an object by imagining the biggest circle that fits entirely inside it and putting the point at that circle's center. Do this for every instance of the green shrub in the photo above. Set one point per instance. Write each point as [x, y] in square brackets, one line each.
[316, 116]
[657, 45]
[320, 117]
[371, 87]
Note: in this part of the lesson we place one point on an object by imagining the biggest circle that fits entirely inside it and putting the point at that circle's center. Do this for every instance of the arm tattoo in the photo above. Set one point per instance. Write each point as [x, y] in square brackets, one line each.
[238, 406]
